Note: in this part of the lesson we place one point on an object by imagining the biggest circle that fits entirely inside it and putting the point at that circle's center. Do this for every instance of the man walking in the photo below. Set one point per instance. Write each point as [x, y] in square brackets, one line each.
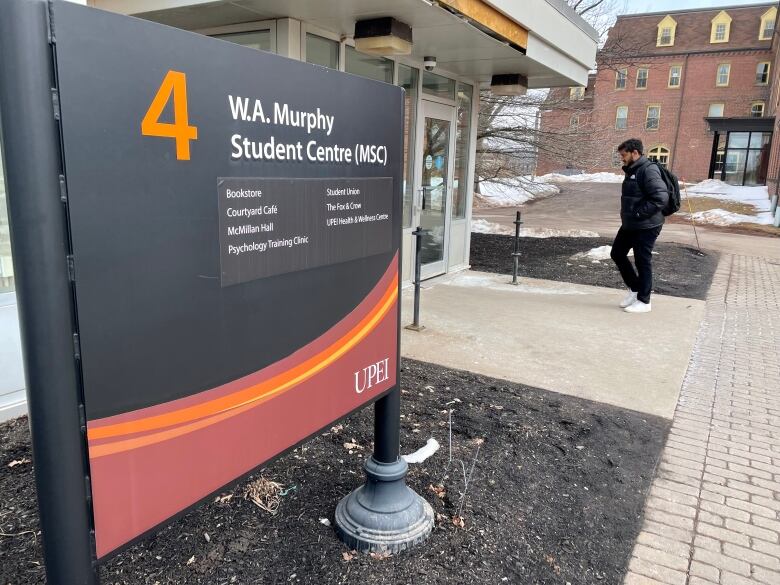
[643, 198]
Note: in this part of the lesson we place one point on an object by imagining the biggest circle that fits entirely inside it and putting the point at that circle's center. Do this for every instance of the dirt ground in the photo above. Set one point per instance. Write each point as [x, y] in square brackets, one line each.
[556, 497]
[678, 270]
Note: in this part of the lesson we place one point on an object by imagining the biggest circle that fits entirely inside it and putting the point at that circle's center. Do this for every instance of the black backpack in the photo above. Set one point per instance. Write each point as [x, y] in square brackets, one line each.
[673, 187]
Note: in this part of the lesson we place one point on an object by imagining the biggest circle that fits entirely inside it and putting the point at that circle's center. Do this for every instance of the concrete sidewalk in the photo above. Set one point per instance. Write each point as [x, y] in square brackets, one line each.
[567, 338]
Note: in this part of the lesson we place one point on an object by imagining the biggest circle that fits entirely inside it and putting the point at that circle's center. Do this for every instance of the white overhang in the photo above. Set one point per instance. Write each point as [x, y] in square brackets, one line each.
[561, 48]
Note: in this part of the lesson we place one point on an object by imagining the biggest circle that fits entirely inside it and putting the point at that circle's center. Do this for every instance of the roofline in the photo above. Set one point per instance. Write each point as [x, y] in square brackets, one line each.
[690, 10]
[568, 12]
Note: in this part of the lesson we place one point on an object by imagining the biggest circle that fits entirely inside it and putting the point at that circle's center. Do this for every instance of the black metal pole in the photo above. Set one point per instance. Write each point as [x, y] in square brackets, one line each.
[39, 237]
[418, 233]
[516, 252]
[387, 427]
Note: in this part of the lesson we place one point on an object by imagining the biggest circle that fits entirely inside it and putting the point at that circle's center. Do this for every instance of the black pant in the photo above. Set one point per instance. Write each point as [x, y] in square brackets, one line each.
[642, 242]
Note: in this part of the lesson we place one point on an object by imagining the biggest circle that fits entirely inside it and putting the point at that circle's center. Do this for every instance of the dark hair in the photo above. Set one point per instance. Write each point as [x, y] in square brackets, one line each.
[631, 145]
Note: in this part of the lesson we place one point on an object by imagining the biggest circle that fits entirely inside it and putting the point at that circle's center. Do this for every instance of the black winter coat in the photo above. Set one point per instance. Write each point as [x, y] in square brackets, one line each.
[643, 197]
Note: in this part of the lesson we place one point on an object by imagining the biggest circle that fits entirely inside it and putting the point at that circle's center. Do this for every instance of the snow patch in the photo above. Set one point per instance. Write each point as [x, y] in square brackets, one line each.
[722, 217]
[582, 178]
[483, 226]
[758, 197]
[514, 191]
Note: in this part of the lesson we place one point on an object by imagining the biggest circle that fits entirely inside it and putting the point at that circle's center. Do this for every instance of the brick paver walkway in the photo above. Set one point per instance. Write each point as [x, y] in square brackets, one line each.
[713, 513]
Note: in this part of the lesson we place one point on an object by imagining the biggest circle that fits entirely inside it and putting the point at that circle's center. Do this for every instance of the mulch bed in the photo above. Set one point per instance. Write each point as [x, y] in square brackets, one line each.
[678, 270]
[556, 497]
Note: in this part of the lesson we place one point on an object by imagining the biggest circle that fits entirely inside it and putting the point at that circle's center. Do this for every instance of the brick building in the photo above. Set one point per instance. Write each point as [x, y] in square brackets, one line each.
[693, 85]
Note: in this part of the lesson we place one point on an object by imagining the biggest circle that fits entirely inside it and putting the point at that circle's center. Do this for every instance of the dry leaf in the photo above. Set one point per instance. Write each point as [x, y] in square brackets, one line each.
[207, 537]
[265, 494]
[459, 521]
[348, 556]
[19, 462]
[324, 521]
[380, 555]
[191, 560]
[352, 445]
[223, 499]
[438, 490]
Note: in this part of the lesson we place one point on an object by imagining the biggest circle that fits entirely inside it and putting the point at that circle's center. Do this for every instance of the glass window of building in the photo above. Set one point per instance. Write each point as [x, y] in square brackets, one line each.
[574, 122]
[577, 93]
[256, 39]
[742, 158]
[666, 36]
[660, 155]
[768, 24]
[6, 265]
[408, 78]
[675, 75]
[322, 51]
[720, 32]
[715, 111]
[666, 30]
[762, 73]
[377, 68]
[641, 77]
[621, 118]
[757, 110]
[724, 71]
[621, 75]
[653, 120]
[463, 138]
[438, 85]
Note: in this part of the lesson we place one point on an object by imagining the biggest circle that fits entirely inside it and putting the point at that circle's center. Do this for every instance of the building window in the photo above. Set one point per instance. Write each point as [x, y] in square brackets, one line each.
[621, 118]
[408, 78]
[377, 68]
[463, 140]
[716, 111]
[256, 39]
[768, 24]
[574, 122]
[741, 157]
[641, 77]
[724, 71]
[6, 265]
[721, 28]
[762, 73]
[438, 85]
[660, 155]
[666, 30]
[675, 74]
[621, 75]
[757, 110]
[577, 94]
[653, 120]
[322, 51]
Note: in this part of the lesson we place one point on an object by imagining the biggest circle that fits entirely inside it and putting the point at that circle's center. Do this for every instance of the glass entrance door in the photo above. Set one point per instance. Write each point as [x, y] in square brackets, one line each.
[435, 192]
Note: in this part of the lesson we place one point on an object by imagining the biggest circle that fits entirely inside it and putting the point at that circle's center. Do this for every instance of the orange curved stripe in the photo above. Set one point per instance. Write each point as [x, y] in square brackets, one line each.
[250, 395]
[129, 444]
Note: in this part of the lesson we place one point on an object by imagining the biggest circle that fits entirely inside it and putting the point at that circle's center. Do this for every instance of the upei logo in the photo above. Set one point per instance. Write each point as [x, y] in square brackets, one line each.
[372, 375]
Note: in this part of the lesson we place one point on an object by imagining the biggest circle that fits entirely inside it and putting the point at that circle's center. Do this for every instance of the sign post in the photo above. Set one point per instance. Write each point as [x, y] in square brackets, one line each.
[208, 262]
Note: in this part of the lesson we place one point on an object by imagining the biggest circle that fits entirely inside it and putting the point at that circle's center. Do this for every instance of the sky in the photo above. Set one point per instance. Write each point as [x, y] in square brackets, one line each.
[661, 5]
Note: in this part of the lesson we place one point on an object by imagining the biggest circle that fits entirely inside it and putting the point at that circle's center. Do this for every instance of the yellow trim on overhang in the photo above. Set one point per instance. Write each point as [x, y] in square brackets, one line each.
[492, 19]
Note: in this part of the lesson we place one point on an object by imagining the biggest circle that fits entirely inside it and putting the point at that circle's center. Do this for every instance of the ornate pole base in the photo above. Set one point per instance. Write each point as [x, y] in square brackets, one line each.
[384, 514]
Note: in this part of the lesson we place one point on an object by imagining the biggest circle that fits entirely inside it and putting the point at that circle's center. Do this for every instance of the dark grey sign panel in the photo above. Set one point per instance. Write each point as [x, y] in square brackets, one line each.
[269, 227]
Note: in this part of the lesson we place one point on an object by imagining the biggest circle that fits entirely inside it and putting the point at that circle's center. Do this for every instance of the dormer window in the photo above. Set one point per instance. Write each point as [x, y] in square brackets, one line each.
[666, 31]
[767, 29]
[721, 28]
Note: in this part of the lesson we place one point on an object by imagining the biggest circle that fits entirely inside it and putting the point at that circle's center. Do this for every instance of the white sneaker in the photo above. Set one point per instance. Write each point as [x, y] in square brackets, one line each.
[638, 307]
[629, 300]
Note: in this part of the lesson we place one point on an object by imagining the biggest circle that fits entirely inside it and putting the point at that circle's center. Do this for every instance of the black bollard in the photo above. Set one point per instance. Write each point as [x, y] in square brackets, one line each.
[418, 233]
[516, 253]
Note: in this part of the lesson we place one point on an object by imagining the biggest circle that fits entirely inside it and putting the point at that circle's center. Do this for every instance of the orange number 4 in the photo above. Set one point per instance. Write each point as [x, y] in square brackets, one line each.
[175, 83]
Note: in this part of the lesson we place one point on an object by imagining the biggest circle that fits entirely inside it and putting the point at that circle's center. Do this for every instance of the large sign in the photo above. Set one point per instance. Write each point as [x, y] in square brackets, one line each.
[234, 219]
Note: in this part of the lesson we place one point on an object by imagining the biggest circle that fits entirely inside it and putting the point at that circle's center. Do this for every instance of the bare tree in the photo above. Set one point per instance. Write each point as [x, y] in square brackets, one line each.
[509, 134]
